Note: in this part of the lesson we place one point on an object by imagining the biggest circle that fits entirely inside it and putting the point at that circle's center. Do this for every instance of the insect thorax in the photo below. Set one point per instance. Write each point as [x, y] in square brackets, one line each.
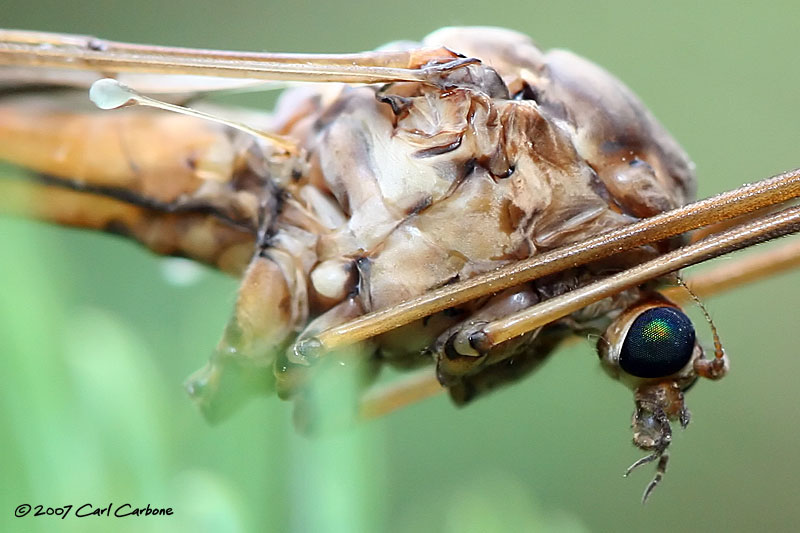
[407, 187]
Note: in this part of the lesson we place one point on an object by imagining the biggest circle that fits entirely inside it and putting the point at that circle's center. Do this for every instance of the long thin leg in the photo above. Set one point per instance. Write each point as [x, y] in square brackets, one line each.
[37, 49]
[727, 205]
[386, 399]
[727, 276]
[410, 389]
[772, 226]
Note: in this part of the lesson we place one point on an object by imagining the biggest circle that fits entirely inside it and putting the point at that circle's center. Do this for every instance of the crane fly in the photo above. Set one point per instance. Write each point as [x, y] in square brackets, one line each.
[463, 205]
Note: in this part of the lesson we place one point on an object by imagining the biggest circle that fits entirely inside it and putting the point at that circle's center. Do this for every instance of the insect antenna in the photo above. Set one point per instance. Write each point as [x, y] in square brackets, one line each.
[719, 352]
[592, 337]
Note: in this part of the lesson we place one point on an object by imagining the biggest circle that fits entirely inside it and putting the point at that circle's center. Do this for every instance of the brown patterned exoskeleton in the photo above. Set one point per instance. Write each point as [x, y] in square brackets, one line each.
[468, 203]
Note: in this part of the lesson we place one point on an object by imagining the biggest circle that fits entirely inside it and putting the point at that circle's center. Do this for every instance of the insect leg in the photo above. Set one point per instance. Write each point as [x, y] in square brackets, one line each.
[388, 398]
[292, 375]
[408, 390]
[468, 372]
[468, 376]
[727, 205]
[740, 271]
[38, 49]
[242, 364]
[326, 394]
[485, 338]
[384, 399]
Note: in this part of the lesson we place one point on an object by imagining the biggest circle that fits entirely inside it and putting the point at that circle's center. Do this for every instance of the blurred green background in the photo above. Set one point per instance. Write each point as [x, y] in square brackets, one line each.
[95, 341]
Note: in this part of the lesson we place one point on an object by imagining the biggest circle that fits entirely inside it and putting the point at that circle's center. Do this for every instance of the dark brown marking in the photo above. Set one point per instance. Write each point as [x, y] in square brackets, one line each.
[134, 198]
[527, 92]
[438, 150]
[399, 104]
[424, 203]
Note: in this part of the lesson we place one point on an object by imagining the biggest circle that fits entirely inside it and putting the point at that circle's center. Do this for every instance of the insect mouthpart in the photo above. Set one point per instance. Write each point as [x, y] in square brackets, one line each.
[652, 348]
[656, 405]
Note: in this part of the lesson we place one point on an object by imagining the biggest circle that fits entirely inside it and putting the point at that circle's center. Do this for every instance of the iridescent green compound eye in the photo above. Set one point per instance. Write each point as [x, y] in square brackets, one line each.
[659, 343]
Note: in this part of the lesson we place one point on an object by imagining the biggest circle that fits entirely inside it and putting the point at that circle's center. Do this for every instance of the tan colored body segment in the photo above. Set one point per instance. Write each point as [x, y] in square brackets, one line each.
[155, 177]
[157, 155]
[200, 237]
